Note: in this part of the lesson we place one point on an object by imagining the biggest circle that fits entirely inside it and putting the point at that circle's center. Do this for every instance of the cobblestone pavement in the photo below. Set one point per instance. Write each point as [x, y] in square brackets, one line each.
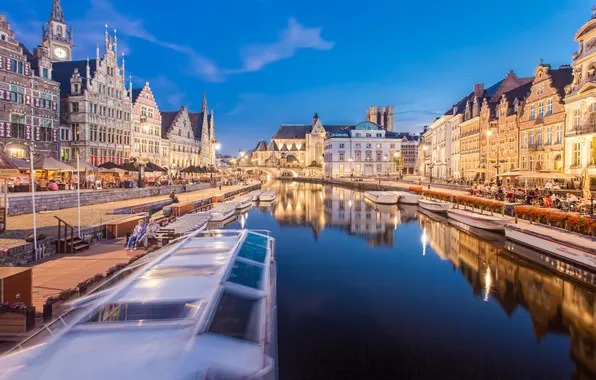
[21, 226]
[65, 271]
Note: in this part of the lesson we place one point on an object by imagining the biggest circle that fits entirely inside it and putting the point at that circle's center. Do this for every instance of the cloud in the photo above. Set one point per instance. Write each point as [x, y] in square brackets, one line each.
[294, 37]
[174, 98]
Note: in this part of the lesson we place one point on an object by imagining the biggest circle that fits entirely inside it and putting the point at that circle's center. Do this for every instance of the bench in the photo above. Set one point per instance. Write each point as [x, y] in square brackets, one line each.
[120, 227]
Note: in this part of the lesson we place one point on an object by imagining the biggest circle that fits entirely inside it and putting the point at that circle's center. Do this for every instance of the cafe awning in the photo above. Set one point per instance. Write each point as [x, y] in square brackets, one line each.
[21, 164]
[7, 168]
[83, 166]
[49, 163]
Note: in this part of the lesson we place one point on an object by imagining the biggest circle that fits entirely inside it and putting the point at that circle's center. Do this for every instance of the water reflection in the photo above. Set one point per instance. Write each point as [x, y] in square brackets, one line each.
[556, 305]
[302, 204]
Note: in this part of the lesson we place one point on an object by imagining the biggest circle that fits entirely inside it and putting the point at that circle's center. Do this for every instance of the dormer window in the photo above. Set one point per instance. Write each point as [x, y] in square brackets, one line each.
[75, 88]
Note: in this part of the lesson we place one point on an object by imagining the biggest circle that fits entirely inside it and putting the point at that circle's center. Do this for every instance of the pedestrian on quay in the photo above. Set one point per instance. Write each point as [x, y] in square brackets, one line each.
[136, 234]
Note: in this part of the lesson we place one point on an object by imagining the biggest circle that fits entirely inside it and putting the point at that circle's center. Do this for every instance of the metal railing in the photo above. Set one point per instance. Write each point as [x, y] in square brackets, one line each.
[64, 247]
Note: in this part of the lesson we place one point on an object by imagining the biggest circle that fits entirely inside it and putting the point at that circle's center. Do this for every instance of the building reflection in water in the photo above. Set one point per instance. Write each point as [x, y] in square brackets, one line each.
[323, 207]
[556, 304]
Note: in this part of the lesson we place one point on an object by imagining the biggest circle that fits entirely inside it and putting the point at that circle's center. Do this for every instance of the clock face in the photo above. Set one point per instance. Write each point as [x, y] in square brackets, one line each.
[60, 52]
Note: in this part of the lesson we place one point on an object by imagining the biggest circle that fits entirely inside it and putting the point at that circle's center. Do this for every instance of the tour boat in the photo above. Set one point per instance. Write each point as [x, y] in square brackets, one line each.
[267, 196]
[255, 195]
[243, 202]
[563, 267]
[202, 308]
[571, 246]
[186, 224]
[222, 211]
[482, 221]
[496, 238]
[382, 208]
[381, 197]
[433, 206]
[407, 198]
[437, 217]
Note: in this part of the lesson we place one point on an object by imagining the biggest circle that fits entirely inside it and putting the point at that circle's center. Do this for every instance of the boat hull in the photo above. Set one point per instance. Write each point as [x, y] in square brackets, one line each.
[381, 197]
[476, 220]
[432, 206]
[557, 248]
[406, 198]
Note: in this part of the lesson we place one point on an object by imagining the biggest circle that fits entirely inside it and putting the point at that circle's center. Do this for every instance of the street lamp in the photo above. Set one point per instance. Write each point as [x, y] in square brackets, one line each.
[489, 133]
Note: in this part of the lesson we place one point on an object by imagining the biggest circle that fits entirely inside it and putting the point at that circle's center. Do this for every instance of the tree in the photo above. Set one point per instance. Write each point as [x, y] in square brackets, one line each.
[399, 164]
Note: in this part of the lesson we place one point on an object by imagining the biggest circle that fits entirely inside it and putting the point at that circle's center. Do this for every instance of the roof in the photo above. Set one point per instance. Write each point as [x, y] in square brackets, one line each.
[519, 93]
[135, 93]
[167, 118]
[170, 318]
[261, 146]
[62, 71]
[196, 120]
[561, 77]
[299, 131]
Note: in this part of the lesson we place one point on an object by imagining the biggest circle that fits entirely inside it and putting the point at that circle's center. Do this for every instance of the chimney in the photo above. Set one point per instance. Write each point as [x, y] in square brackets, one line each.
[479, 90]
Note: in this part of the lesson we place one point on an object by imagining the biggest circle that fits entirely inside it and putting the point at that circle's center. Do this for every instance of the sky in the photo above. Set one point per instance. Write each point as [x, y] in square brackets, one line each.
[268, 62]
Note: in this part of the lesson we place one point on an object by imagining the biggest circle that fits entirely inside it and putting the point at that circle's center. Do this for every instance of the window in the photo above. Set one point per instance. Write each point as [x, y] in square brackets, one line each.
[65, 154]
[531, 162]
[45, 133]
[524, 140]
[549, 136]
[145, 311]
[341, 146]
[532, 112]
[392, 146]
[74, 106]
[17, 126]
[576, 114]
[378, 146]
[44, 73]
[368, 146]
[559, 134]
[531, 139]
[368, 135]
[541, 109]
[358, 146]
[550, 107]
[341, 156]
[539, 137]
[576, 154]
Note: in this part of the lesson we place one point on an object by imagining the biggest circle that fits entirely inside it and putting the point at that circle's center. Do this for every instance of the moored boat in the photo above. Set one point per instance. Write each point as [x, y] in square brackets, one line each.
[267, 196]
[243, 202]
[434, 206]
[255, 195]
[482, 221]
[381, 197]
[557, 242]
[407, 198]
[223, 211]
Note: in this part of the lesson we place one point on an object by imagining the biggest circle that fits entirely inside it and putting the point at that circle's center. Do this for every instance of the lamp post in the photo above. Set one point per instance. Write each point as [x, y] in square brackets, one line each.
[431, 166]
[351, 160]
[489, 133]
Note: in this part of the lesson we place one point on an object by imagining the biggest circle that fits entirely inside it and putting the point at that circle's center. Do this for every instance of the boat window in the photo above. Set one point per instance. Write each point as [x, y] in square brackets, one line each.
[182, 271]
[257, 240]
[246, 274]
[234, 318]
[253, 252]
[146, 311]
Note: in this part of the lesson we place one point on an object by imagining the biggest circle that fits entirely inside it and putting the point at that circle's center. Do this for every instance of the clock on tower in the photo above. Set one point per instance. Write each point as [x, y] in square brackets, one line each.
[57, 36]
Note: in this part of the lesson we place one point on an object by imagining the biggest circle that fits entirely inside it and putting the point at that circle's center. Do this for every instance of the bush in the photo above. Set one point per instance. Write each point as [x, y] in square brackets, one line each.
[437, 195]
[415, 189]
[17, 307]
[576, 223]
[66, 294]
[483, 204]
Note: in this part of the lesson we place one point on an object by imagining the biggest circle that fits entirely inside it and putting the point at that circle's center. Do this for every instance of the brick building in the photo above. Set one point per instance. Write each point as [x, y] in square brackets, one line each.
[146, 134]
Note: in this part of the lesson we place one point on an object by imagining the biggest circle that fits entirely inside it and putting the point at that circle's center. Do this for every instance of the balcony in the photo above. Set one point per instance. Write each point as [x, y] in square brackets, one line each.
[536, 148]
[583, 129]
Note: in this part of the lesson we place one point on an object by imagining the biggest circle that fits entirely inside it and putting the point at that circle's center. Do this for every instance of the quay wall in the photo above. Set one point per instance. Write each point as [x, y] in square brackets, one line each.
[49, 201]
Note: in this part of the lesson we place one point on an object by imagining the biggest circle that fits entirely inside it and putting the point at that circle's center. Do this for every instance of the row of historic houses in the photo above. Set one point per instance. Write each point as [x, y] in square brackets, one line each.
[51, 105]
[543, 122]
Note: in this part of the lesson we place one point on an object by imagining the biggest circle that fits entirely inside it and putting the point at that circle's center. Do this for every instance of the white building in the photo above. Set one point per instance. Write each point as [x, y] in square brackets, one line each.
[580, 105]
[364, 150]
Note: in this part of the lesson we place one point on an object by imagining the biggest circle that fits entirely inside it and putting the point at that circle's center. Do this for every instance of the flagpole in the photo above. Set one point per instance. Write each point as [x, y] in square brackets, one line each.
[79, 191]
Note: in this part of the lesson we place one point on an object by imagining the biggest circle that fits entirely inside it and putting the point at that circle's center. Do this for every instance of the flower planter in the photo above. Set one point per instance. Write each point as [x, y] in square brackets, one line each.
[82, 290]
[48, 313]
[17, 322]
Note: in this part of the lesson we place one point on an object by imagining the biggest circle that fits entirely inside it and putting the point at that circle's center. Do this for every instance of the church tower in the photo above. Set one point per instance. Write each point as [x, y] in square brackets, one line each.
[205, 134]
[57, 35]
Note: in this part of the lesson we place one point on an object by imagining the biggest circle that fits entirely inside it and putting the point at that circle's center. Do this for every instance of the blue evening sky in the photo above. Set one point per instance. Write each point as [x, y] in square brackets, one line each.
[267, 62]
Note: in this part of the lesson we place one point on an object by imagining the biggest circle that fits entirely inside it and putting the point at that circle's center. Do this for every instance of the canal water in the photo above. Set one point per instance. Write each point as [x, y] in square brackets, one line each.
[369, 292]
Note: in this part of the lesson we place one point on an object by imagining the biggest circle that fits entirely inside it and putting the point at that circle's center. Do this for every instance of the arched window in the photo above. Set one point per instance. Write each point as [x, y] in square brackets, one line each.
[59, 30]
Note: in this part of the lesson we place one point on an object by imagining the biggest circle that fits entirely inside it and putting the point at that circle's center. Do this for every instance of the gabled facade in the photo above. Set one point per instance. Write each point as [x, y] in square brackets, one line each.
[96, 106]
[178, 129]
[204, 132]
[543, 119]
[146, 131]
[580, 104]
[29, 99]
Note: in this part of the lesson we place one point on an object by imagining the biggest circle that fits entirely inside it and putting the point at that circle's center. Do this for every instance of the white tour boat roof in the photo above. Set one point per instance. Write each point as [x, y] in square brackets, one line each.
[199, 310]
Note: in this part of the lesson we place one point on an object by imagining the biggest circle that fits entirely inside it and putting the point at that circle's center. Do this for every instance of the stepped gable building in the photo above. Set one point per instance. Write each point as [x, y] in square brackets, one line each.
[383, 116]
[178, 129]
[580, 104]
[146, 133]
[204, 131]
[96, 106]
[543, 119]
[29, 99]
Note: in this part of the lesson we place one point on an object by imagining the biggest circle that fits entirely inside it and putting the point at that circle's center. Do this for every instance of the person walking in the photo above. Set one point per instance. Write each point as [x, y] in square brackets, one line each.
[136, 234]
[150, 232]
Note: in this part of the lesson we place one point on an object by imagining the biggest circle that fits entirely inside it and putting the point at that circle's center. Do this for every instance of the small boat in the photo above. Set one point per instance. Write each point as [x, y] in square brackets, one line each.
[555, 241]
[381, 197]
[223, 211]
[494, 237]
[433, 206]
[407, 198]
[482, 221]
[243, 202]
[255, 195]
[382, 208]
[267, 196]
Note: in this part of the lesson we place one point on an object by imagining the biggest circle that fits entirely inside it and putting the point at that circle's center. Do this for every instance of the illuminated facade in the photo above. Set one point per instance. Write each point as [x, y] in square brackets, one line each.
[146, 136]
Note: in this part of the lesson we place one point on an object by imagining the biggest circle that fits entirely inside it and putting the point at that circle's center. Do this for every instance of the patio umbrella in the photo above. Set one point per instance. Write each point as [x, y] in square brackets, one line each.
[190, 169]
[49, 163]
[586, 193]
[83, 166]
[130, 167]
[151, 167]
[110, 165]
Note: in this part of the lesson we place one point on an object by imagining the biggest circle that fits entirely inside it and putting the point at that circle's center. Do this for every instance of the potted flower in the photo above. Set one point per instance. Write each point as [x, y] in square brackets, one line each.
[48, 308]
[16, 317]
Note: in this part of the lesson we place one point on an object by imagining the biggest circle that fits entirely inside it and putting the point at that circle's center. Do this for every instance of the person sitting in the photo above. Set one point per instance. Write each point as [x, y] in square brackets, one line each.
[138, 231]
[52, 186]
[150, 232]
[173, 197]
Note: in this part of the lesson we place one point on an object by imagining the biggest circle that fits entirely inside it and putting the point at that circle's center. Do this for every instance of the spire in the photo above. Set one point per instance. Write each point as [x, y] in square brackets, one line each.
[115, 45]
[57, 14]
[204, 109]
[123, 74]
[97, 52]
[107, 39]
[88, 70]
[541, 62]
